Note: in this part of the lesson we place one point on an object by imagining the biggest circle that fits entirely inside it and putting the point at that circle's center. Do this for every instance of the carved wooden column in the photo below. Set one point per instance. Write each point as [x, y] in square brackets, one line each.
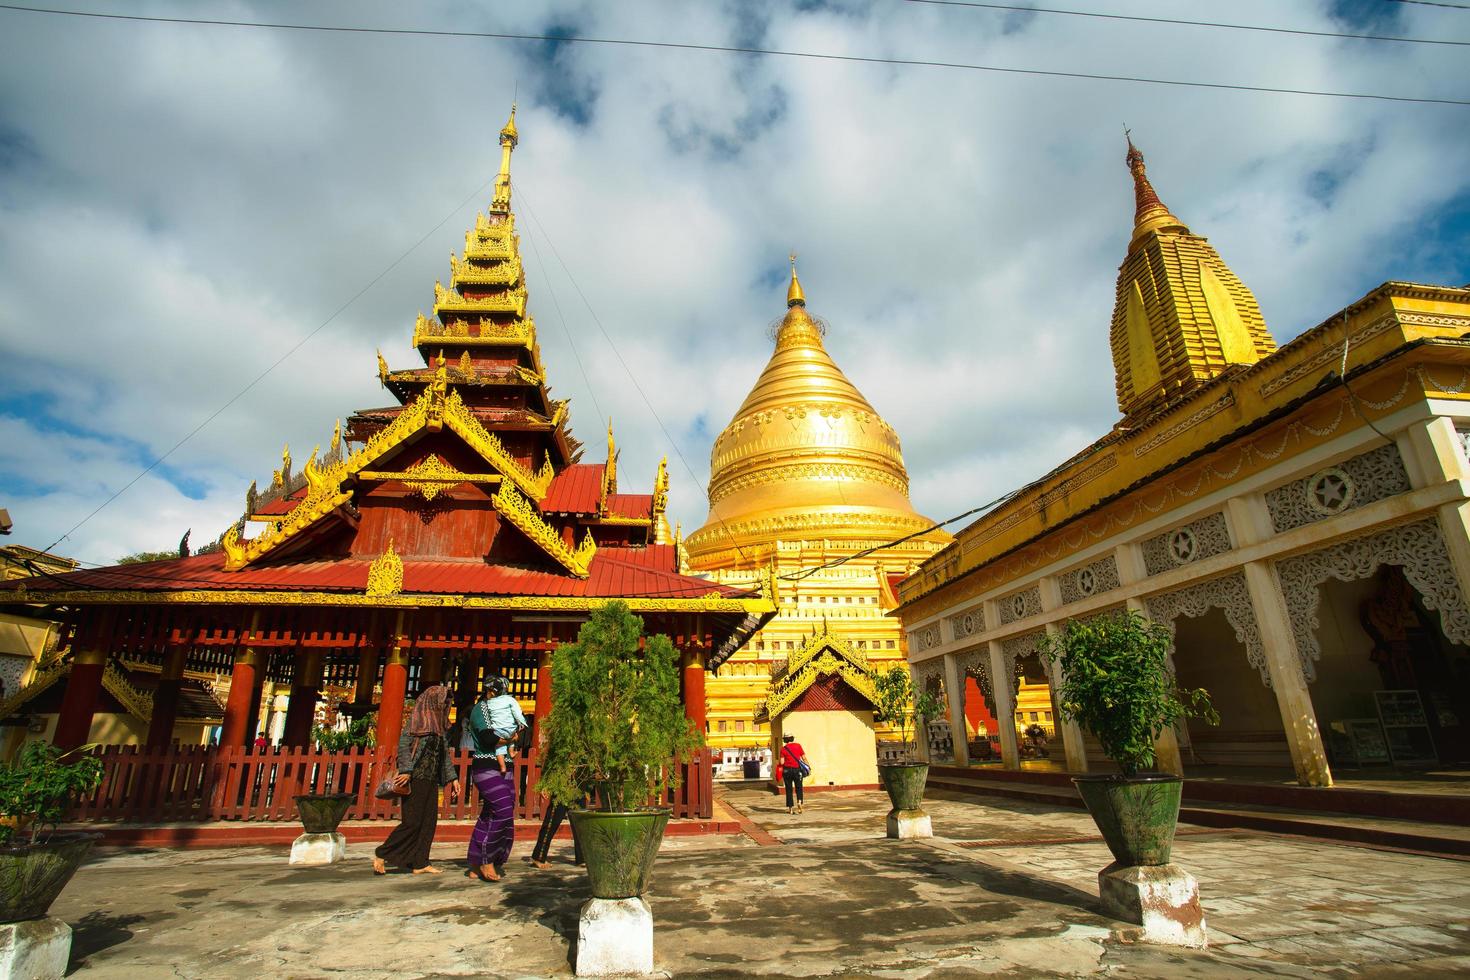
[696, 708]
[306, 690]
[166, 696]
[395, 688]
[243, 706]
[74, 722]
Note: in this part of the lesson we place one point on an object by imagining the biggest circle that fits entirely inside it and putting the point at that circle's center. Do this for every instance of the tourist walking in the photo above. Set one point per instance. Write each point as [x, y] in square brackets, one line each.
[793, 770]
[495, 721]
[423, 765]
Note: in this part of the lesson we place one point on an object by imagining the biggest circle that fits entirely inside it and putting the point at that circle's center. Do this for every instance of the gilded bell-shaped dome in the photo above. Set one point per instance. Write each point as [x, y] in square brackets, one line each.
[806, 458]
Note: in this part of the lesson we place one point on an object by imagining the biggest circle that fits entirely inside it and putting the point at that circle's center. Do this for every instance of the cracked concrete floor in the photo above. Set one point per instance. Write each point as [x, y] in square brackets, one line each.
[833, 899]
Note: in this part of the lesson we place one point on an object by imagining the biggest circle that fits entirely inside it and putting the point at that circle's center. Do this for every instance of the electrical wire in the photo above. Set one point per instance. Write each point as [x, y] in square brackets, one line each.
[1434, 3]
[531, 213]
[1187, 23]
[576, 355]
[736, 49]
[278, 362]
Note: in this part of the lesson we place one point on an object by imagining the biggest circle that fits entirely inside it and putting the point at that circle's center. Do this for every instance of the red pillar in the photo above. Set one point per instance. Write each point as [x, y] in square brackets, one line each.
[306, 688]
[166, 697]
[244, 701]
[395, 689]
[74, 724]
[543, 686]
[431, 670]
[695, 706]
[367, 677]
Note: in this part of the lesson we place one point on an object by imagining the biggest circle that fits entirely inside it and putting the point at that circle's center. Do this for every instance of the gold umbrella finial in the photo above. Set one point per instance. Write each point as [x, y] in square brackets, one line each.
[794, 295]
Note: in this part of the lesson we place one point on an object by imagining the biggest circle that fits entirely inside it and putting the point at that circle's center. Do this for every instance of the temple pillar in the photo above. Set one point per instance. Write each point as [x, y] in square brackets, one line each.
[306, 689]
[395, 689]
[79, 704]
[431, 668]
[1072, 745]
[543, 688]
[253, 723]
[367, 678]
[696, 708]
[466, 687]
[166, 697]
[954, 699]
[243, 704]
[1004, 694]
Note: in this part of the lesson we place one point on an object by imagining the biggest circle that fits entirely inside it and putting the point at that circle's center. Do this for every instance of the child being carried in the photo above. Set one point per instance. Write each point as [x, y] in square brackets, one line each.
[495, 723]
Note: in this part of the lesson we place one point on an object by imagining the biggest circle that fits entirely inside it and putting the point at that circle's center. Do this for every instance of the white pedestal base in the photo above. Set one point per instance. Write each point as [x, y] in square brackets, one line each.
[318, 849]
[37, 949]
[903, 824]
[1163, 899]
[614, 936]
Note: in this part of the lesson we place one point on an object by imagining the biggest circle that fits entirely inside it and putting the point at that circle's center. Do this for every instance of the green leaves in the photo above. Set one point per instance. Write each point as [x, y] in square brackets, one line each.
[617, 718]
[39, 786]
[1117, 685]
[900, 704]
[361, 733]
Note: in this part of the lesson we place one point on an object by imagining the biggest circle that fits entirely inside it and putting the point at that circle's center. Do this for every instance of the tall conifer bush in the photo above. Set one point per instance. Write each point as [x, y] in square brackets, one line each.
[617, 723]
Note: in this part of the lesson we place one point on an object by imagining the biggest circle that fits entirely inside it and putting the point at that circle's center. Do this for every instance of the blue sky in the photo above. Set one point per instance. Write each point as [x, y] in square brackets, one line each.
[181, 205]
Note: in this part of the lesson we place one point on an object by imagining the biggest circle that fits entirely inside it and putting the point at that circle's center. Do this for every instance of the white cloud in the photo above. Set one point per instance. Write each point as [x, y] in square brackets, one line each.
[184, 204]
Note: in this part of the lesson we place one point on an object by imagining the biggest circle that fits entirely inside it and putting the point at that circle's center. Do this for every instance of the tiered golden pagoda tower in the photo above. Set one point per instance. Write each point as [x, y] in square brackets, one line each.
[1182, 317]
[806, 473]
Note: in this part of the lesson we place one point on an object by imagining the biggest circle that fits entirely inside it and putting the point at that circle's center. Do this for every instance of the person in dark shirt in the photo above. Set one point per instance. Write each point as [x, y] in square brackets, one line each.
[424, 765]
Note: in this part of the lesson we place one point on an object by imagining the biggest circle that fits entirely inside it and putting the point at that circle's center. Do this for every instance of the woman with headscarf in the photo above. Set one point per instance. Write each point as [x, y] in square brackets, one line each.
[424, 764]
[495, 720]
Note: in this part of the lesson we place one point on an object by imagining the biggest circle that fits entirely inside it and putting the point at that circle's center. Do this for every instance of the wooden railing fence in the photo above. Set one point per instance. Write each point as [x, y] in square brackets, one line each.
[197, 782]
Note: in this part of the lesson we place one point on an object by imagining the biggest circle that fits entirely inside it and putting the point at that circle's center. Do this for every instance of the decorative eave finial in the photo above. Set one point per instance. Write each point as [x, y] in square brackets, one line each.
[794, 295]
[1149, 213]
[509, 137]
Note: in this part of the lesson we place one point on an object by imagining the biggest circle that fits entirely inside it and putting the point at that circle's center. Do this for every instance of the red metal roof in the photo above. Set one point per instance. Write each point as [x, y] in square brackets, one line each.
[615, 572]
[575, 490]
[282, 505]
[630, 505]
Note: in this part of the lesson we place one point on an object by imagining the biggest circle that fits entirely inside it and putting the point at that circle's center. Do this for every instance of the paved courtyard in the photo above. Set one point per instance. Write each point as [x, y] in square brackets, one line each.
[1008, 888]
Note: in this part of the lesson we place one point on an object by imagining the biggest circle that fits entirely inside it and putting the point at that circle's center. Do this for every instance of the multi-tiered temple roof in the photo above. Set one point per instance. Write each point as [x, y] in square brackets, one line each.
[469, 491]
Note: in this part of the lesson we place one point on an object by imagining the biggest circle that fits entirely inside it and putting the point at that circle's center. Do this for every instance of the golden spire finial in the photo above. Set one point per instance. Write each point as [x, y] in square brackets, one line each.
[1149, 212]
[500, 202]
[794, 295]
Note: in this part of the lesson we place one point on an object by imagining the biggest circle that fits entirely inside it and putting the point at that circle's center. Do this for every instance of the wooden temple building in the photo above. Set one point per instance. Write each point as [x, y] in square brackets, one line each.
[454, 533]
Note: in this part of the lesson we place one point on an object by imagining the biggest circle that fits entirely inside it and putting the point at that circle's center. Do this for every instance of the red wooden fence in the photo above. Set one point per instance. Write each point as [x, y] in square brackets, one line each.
[200, 782]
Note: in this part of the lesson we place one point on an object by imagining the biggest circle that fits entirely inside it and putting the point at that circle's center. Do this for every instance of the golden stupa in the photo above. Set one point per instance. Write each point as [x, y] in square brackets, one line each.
[807, 473]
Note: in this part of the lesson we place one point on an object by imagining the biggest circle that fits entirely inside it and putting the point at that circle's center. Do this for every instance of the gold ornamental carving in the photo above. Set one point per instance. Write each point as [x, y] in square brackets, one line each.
[385, 575]
[450, 301]
[519, 511]
[521, 332]
[432, 476]
[464, 272]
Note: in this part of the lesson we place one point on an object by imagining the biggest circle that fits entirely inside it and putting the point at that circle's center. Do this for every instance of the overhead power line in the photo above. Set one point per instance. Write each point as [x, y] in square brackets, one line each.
[1435, 3]
[734, 49]
[1188, 23]
[262, 375]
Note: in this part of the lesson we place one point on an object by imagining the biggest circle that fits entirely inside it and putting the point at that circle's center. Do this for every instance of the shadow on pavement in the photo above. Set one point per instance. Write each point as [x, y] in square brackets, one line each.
[97, 931]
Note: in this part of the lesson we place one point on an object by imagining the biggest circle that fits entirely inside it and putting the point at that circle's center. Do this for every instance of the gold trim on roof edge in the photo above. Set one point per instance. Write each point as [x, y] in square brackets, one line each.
[518, 510]
[236, 597]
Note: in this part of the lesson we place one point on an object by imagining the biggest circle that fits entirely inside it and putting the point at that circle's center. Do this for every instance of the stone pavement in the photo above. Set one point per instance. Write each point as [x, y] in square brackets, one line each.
[1008, 888]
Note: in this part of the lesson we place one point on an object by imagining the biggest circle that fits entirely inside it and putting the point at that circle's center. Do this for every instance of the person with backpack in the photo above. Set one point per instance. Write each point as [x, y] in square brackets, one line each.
[794, 768]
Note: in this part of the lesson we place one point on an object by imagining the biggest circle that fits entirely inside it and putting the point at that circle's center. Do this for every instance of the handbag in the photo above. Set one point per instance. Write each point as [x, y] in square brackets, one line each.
[804, 767]
[392, 787]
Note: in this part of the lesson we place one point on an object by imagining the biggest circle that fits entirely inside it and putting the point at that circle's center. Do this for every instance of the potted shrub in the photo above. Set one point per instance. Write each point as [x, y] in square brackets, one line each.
[1118, 686]
[616, 733]
[35, 792]
[899, 703]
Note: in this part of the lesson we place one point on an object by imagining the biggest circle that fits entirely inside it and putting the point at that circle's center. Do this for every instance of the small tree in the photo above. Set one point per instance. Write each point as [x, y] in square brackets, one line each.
[617, 724]
[900, 703]
[360, 733]
[38, 786]
[1118, 686]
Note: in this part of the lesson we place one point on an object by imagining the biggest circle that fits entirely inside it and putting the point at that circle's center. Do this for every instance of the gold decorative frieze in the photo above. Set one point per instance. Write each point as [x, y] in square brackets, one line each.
[448, 300]
[463, 272]
[385, 575]
[744, 606]
[824, 654]
[519, 511]
[521, 333]
[430, 477]
[487, 444]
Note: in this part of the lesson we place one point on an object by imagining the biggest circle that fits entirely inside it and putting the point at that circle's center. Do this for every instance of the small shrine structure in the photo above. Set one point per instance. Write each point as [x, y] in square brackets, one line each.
[455, 533]
[824, 696]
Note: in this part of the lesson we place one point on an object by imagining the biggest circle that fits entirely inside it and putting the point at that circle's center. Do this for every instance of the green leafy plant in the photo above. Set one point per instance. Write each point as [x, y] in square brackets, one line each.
[360, 733]
[1118, 686]
[617, 723]
[900, 703]
[37, 788]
